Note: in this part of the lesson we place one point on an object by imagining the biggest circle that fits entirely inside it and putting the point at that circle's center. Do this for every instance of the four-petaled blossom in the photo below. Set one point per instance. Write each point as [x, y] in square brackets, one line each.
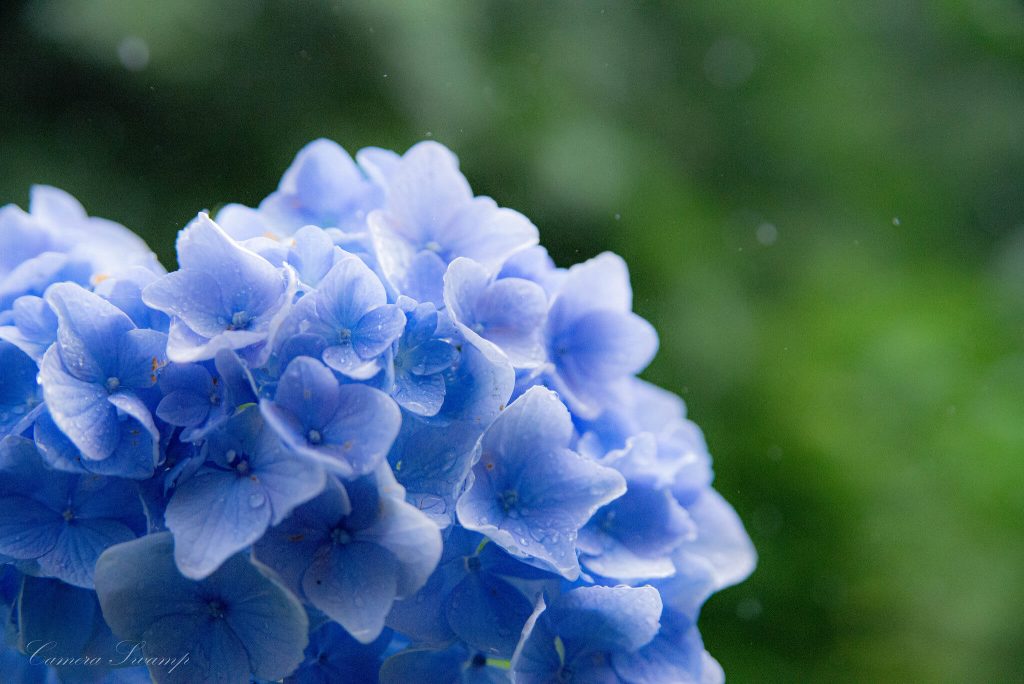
[529, 492]
[61, 522]
[350, 319]
[430, 217]
[224, 296]
[95, 376]
[248, 482]
[509, 312]
[348, 428]
[237, 621]
[353, 550]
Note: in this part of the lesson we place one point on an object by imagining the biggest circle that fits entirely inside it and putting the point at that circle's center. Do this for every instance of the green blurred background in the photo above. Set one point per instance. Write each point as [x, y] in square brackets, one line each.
[822, 203]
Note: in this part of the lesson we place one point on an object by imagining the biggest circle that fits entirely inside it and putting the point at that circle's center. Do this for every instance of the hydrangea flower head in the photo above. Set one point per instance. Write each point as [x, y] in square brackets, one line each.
[367, 431]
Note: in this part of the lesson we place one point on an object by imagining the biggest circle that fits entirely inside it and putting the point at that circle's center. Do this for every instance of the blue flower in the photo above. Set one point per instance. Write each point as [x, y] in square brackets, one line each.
[430, 217]
[59, 521]
[223, 297]
[381, 387]
[353, 550]
[350, 317]
[198, 400]
[248, 482]
[509, 312]
[237, 622]
[528, 491]
[94, 378]
[348, 428]
[635, 536]
[595, 343]
[581, 634]
[424, 353]
[479, 595]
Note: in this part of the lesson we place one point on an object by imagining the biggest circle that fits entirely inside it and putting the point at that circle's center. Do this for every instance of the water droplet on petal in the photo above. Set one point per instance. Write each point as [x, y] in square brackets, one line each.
[257, 499]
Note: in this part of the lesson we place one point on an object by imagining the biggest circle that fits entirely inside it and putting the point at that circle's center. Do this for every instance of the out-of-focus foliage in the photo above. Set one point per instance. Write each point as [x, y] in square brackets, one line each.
[822, 204]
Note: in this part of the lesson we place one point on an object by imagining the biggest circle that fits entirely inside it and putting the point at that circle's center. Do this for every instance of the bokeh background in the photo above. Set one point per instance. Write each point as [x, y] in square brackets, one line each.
[822, 204]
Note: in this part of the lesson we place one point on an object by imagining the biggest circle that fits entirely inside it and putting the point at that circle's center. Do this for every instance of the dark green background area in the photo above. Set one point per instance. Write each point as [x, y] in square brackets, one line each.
[822, 204]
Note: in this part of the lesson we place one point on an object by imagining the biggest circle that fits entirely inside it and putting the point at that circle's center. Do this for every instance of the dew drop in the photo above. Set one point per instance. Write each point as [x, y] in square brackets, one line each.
[257, 499]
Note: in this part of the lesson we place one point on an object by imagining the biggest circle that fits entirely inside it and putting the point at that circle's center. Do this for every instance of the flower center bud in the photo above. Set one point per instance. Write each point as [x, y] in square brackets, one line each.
[113, 383]
[314, 437]
[239, 320]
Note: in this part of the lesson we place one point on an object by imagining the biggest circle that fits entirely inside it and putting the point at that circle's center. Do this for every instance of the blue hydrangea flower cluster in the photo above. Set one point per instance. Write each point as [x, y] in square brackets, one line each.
[367, 431]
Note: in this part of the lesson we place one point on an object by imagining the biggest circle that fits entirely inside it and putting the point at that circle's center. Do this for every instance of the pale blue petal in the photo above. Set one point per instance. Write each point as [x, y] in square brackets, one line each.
[80, 409]
[488, 234]
[88, 330]
[488, 613]
[411, 537]
[355, 584]
[721, 540]
[377, 330]
[212, 517]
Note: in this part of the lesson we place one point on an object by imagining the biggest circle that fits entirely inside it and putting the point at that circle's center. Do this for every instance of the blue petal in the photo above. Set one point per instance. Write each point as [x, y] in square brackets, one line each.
[19, 392]
[28, 529]
[355, 584]
[488, 234]
[88, 331]
[289, 547]
[423, 617]
[477, 388]
[511, 313]
[606, 618]
[420, 394]
[348, 291]
[344, 359]
[80, 409]
[53, 611]
[432, 463]
[212, 517]
[140, 354]
[424, 190]
[411, 537]
[323, 186]
[35, 326]
[721, 540]
[73, 557]
[192, 296]
[377, 330]
[488, 613]
[312, 255]
[309, 391]
[61, 454]
[183, 408]
[433, 356]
